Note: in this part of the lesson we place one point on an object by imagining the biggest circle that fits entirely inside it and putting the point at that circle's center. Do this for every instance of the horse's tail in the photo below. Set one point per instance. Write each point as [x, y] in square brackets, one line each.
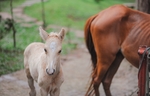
[89, 41]
[91, 49]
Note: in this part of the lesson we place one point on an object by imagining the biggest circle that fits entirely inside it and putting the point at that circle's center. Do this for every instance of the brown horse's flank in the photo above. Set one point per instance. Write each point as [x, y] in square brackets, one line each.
[110, 36]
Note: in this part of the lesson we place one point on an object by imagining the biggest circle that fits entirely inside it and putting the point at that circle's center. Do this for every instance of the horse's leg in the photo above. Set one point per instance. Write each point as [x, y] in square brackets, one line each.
[58, 81]
[30, 83]
[111, 72]
[43, 92]
[104, 60]
[101, 69]
[55, 92]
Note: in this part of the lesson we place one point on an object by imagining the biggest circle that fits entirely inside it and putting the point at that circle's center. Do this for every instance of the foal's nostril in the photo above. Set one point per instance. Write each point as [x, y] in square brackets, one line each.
[50, 72]
[53, 70]
[47, 71]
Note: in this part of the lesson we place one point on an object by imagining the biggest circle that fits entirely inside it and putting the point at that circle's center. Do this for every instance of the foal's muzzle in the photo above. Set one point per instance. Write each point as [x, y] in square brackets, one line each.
[50, 71]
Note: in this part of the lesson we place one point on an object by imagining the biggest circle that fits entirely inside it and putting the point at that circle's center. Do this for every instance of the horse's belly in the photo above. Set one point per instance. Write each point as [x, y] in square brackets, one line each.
[130, 52]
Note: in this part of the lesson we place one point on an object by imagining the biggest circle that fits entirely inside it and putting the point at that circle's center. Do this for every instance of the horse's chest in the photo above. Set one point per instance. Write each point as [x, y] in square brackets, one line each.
[52, 87]
[48, 84]
[44, 80]
[34, 75]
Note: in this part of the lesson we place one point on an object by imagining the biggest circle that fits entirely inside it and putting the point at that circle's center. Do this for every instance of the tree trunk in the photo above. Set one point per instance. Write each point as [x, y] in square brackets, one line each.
[13, 27]
[144, 6]
[43, 14]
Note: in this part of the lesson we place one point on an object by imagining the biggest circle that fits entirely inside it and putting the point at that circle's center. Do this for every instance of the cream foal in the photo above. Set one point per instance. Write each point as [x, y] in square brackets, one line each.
[42, 63]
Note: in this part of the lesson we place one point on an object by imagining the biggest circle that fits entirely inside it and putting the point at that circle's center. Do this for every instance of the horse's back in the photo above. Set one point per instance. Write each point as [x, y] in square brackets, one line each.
[109, 26]
[34, 48]
[109, 17]
[118, 19]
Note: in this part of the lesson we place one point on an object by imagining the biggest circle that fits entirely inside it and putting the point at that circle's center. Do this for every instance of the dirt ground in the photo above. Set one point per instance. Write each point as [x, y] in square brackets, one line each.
[76, 69]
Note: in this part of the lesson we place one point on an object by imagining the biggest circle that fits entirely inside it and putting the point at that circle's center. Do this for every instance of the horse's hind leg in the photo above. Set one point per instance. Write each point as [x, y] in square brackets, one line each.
[100, 72]
[105, 58]
[111, 72]
[30, 83]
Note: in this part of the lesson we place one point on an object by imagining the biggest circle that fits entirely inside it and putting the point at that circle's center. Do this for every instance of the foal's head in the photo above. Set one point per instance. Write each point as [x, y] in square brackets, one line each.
[52, 48]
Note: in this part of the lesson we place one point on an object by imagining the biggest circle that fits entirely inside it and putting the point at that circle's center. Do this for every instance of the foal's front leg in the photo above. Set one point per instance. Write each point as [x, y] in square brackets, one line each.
[43, 92]
[31, 84]
[55, 92]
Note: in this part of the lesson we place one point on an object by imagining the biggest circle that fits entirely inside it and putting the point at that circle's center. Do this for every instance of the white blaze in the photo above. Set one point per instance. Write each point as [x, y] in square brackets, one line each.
[52, 46]
[51, 64]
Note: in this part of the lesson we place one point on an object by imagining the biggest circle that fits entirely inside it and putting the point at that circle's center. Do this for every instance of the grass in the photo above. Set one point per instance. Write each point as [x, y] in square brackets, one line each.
[24, 36]
[27, 35]
[10, 61]
[5, 4]
[69, 12]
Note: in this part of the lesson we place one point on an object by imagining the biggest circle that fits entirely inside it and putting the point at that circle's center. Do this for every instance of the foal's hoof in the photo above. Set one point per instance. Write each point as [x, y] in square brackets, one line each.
[32, 93]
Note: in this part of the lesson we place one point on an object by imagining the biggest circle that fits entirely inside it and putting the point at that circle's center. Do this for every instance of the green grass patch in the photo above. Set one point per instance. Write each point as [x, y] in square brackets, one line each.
[27, 35]
[10, 61]
[24, 36]
[69, 12]
[5, 4]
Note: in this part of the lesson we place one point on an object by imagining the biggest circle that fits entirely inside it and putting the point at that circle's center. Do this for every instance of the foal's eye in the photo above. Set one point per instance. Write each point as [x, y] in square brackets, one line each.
[59, 51]
[45, 50]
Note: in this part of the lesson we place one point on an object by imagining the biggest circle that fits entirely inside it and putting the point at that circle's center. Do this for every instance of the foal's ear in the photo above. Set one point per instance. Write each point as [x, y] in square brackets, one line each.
[43, 33]
[62, 33]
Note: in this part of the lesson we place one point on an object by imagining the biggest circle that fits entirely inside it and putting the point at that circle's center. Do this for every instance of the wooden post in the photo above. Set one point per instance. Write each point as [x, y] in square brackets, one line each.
[144, 6]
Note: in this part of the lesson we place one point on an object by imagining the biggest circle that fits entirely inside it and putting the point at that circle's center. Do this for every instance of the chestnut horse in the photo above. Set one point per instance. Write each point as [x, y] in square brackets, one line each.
[112, 35]
[42, 63]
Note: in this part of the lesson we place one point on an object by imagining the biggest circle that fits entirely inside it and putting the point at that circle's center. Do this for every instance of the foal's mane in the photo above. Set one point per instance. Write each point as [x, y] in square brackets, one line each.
[54, 35]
